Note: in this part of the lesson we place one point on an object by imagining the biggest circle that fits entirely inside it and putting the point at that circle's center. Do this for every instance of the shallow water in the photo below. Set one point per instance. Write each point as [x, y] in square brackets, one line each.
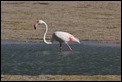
[87, 58]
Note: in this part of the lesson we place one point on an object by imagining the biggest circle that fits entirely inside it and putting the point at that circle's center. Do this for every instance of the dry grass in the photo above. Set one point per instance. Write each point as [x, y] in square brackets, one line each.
[95, 20]
[60, 78]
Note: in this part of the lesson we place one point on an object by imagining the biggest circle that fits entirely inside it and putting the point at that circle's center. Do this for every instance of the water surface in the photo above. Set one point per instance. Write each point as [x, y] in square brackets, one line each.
[87, 58]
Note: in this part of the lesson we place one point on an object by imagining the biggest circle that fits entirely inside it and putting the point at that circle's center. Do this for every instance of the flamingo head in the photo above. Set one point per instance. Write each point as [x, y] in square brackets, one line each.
[38, 23]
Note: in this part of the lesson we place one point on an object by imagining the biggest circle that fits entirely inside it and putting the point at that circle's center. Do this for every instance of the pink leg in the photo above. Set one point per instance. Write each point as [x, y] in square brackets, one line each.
[69, 46]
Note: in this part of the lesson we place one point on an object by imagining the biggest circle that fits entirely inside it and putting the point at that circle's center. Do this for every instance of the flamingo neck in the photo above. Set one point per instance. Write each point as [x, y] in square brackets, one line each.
[44, 37]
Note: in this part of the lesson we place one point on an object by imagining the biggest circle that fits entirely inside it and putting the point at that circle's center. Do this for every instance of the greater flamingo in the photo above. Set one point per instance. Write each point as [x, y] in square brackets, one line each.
[58, 36]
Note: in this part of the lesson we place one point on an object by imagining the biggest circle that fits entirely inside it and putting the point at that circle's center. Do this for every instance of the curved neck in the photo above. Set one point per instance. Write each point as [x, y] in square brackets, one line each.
[44, 37]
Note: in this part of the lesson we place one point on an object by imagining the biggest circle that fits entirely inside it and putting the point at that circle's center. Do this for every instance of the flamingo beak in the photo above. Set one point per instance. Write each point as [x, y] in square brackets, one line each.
[35, 25]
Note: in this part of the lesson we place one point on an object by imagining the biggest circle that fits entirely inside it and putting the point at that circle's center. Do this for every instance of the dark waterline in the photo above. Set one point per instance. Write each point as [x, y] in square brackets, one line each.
[87, 58]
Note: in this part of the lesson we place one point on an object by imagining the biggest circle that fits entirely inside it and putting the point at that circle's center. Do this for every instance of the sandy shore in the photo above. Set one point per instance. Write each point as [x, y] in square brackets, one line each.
[60, 78]
[90, 20]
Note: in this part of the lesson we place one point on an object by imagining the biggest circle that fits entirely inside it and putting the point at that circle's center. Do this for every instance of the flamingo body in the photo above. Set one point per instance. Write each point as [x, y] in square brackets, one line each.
[64, 37]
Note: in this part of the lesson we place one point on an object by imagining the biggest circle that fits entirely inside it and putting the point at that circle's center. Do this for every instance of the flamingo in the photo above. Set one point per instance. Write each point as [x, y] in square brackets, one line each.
[57, 36]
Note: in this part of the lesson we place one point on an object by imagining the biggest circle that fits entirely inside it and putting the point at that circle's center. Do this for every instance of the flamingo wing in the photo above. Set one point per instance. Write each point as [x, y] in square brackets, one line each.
[62, 36]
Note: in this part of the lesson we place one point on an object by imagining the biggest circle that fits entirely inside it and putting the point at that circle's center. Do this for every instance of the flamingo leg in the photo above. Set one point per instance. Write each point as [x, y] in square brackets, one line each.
[60, 46]
[69, 46]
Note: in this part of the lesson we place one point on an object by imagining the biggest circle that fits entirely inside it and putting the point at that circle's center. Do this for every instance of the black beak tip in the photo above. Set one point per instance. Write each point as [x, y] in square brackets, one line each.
[34, 27]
